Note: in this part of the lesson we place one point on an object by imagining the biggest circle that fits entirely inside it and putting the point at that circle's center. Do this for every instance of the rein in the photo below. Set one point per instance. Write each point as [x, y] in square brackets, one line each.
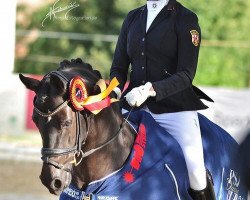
[47, 153]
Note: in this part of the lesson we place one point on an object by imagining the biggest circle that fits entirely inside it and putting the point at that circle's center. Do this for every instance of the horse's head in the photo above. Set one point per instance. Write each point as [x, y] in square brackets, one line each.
[63, 129]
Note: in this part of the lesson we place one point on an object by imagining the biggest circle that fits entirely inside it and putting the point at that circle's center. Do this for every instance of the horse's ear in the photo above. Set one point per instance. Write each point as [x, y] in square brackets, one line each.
[60, 86]
[30, 83]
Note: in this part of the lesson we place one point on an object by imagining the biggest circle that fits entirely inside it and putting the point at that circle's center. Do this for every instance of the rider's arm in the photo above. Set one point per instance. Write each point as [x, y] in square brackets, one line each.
[188, 52]
[120, 65]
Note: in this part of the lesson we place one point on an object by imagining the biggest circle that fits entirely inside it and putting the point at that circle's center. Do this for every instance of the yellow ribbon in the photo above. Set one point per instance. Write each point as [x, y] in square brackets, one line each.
[102, 85]
[104, 92]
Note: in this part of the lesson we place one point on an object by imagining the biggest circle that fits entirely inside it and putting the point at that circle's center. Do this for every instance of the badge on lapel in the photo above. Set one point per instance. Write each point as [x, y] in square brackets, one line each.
[195, 37]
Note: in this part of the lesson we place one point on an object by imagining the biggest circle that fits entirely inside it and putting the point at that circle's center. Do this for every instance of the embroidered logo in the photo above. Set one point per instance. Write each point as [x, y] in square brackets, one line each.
[233, 184]
[195, 37]
[72, 193]
[139, 149]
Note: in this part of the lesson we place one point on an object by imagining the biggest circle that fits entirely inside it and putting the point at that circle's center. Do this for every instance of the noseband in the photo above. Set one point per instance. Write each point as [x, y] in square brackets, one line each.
[47, 153]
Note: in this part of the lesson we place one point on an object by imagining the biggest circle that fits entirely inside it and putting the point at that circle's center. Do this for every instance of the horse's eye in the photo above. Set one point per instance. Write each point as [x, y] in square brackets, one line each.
[66, 124]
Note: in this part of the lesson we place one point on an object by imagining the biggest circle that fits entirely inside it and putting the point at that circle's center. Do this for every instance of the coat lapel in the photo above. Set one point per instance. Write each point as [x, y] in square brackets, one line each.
[143, 19]
[164, 13]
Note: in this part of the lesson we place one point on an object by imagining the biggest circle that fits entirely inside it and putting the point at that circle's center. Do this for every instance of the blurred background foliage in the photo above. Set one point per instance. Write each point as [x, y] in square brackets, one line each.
[224, 56]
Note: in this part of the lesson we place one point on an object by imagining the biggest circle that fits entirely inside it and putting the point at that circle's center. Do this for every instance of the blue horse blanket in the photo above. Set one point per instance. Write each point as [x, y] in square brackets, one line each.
[156, 169]
[245, 161]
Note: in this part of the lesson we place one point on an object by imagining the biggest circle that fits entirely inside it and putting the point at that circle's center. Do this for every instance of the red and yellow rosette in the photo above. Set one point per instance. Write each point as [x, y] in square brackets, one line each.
[94, 103]
[78, 93]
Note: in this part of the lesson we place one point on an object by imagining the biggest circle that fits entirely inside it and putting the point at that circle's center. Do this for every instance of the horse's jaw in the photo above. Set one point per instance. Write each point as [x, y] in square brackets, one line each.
[105, 161]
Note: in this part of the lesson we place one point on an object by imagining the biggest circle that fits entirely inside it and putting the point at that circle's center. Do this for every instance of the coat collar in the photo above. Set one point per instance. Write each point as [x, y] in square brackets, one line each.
[171, 6]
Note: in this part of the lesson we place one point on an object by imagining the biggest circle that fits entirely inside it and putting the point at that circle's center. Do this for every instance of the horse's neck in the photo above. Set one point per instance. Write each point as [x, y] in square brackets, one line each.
[108, 159]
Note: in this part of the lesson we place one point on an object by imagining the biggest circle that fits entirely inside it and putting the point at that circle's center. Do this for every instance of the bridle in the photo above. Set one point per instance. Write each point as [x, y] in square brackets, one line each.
[76, 150]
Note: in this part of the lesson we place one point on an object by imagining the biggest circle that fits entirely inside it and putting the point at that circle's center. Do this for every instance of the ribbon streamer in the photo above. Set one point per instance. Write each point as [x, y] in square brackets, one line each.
[95, 98]
[96, 103]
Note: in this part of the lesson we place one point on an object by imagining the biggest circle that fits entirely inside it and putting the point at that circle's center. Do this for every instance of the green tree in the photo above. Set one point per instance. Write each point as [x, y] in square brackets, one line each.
[228, 65]
[225, 62]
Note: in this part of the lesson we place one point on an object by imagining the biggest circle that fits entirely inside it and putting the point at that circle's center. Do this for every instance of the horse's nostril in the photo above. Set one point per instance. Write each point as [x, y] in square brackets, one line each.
[57, 183]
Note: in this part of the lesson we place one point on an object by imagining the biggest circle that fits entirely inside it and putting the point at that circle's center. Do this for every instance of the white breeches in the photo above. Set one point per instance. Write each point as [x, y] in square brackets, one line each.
[185, 128]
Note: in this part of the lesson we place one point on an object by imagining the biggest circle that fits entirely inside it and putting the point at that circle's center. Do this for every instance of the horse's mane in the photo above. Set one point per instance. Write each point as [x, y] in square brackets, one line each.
[78, 65]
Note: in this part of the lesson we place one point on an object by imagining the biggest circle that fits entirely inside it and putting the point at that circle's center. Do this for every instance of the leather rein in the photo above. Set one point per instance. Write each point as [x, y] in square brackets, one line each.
[76, 150]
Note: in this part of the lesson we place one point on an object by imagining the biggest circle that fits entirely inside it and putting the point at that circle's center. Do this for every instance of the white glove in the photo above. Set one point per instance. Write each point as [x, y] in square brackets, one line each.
[139, 95]
[118, 92]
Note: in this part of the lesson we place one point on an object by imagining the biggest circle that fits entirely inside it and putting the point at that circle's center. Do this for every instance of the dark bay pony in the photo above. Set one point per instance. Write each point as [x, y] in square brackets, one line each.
[115, 158]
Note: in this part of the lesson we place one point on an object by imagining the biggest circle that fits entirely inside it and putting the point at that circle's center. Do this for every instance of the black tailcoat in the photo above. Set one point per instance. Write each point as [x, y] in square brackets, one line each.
[166, 55]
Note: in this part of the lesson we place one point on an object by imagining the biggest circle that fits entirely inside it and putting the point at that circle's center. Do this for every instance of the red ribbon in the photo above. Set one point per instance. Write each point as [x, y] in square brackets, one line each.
[98, 105]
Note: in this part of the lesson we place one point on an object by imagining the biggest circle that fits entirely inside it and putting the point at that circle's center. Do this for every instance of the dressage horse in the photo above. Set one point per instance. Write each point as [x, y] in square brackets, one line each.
[105, 155]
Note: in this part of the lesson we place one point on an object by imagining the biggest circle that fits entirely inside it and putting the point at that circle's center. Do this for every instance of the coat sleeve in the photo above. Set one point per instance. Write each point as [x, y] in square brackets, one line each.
[121, 62]
[188, 52]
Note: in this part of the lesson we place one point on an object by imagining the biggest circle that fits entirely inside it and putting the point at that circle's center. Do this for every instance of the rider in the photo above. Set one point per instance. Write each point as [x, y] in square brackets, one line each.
[161, 41]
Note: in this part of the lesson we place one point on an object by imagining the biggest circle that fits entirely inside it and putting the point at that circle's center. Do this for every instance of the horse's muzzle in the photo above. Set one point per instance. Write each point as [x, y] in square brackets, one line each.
[55, 180]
